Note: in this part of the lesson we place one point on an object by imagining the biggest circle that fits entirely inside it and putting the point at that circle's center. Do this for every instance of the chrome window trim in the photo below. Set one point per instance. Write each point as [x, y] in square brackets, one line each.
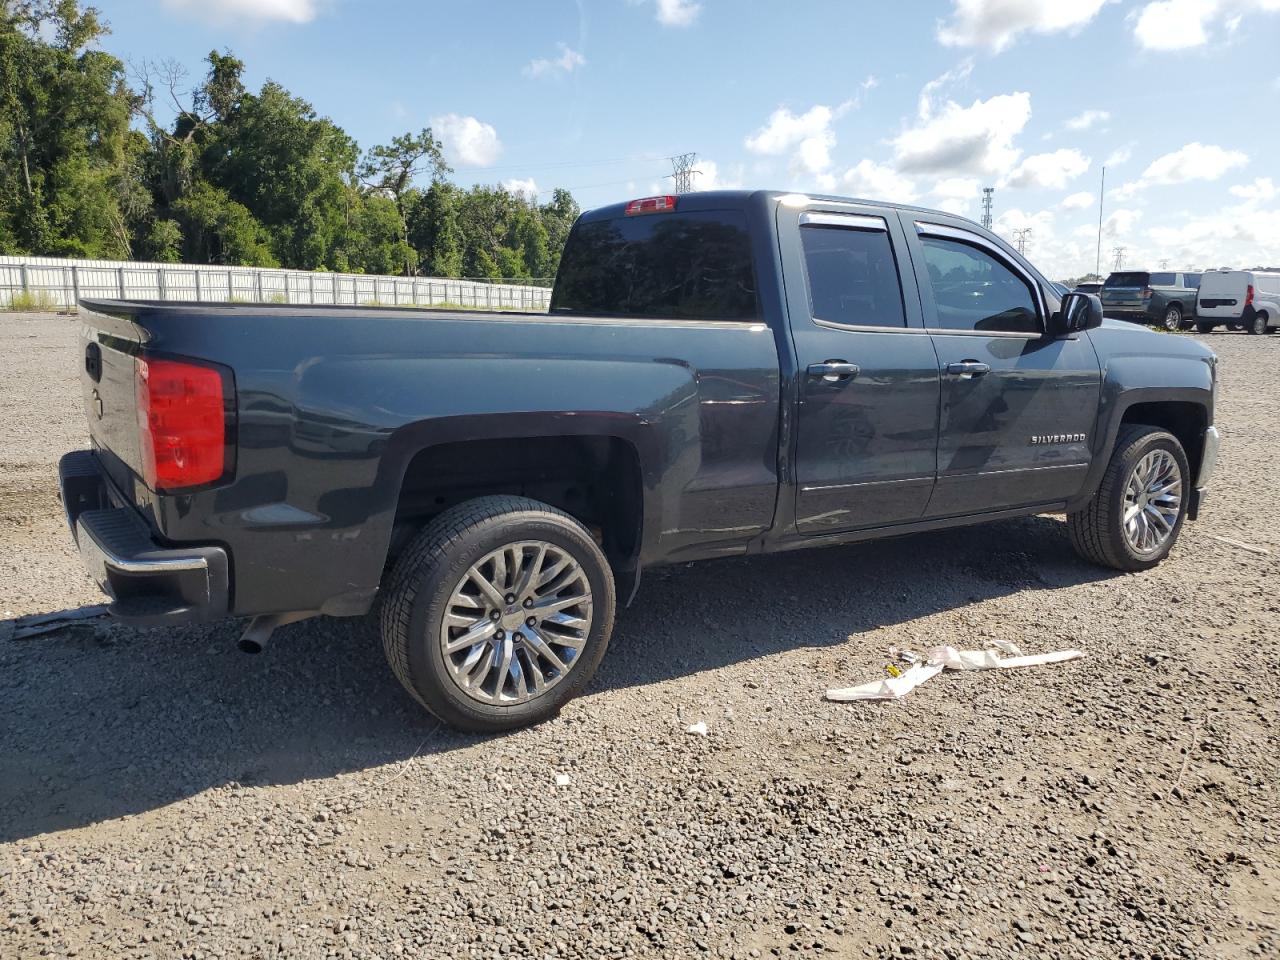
[865, 327]
[854, 221]
[943, 232]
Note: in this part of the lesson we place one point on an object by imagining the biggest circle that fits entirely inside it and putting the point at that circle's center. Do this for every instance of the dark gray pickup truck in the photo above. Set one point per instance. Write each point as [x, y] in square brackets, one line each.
[720, 374]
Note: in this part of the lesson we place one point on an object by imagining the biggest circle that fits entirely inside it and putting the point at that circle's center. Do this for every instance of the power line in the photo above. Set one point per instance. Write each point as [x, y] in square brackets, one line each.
[987, 193]
[682, 171]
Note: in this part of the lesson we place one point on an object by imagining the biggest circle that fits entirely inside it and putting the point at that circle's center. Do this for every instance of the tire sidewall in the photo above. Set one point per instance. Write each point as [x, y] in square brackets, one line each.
[1129, 459]
[436, 583]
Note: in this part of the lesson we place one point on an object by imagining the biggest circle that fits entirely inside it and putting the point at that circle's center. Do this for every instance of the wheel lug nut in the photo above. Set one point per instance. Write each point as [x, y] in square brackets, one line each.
[519, 638]
[501, 634]
[532, 621]
[510, 598]
[528, 602]
[495, 615]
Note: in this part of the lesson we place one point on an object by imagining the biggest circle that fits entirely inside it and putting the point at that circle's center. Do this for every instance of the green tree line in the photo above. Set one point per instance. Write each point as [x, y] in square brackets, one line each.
[102, 162]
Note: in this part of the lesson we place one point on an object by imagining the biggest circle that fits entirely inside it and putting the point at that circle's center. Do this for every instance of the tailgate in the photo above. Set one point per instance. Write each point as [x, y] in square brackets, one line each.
[108, 345]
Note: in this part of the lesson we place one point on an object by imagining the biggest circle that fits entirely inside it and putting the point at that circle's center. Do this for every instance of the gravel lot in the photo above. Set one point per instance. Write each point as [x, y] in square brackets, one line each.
[163, 795]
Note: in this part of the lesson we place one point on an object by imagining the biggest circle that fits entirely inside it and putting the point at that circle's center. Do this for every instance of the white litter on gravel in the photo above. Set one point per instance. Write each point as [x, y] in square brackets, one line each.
[562, 780]
[948, 658]
[699, 728]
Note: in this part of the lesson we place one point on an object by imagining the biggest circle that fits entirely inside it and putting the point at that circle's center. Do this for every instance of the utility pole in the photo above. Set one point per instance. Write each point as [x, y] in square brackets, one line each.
[1119, 255]
[1020, 239]
[1102, 193]
[682, 171]
[987, 193]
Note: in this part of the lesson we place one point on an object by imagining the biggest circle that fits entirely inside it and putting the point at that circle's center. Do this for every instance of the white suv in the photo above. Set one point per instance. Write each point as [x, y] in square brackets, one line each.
[1238, 298]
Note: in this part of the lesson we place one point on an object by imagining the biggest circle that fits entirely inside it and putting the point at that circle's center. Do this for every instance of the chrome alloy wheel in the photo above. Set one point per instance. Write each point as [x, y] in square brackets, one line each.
[516, 623]
[1152, 502]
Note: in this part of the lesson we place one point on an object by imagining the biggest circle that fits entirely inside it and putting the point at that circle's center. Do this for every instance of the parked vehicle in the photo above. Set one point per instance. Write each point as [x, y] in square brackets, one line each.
[1166, 299]
[1239, 298]
[1094, 288]
[720, 374]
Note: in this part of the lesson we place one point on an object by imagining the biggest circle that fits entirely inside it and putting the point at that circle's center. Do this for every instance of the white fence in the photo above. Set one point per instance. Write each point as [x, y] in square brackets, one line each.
[62, 283]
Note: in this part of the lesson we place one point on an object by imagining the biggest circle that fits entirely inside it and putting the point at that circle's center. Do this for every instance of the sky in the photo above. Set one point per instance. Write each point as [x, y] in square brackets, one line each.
[924, 102]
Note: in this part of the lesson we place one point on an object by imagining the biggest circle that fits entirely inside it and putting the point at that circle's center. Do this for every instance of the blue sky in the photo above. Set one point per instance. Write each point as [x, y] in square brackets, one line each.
[924, 102]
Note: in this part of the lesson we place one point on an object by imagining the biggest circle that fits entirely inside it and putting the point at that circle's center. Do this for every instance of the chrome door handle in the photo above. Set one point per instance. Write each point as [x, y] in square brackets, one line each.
[968, 369]
[833, 371]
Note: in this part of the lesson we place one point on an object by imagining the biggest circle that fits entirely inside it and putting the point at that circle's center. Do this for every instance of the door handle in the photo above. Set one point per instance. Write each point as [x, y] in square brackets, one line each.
[833, 371]
[968, 369]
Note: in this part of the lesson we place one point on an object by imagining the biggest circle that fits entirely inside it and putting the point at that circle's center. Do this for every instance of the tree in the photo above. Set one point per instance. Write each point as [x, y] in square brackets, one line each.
[391, 170]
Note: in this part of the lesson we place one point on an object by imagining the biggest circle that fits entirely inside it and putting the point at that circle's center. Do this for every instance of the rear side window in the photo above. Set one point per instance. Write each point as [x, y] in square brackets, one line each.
[1127, 280]
[1191, 280]
[1164, 280]
[972, 290]
[853, 278]
[687, 266]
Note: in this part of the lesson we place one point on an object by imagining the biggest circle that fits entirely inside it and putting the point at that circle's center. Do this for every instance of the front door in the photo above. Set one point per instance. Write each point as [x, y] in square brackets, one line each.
[866, 450]
[1018, 408]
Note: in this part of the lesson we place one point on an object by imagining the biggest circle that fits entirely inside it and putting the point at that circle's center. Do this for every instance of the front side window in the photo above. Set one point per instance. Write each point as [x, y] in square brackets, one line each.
[853, 278]
[973, 290]
[686, 266]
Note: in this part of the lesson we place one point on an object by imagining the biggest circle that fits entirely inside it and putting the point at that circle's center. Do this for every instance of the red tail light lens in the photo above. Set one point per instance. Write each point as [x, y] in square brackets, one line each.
[182, 423]
[1248, 296]
[651, 205]
[1146, 293]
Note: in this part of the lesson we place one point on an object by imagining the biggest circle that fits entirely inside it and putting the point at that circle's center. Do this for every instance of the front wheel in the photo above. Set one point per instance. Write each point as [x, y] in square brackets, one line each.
[1173, 318]
[1134, 519]
[498, 613]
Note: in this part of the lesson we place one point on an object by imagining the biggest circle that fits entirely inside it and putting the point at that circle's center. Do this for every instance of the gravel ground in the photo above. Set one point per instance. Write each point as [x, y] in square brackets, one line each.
[163, 795]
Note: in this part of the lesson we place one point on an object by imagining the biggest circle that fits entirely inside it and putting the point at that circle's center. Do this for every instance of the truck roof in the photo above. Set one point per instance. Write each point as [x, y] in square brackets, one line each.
[735, 199]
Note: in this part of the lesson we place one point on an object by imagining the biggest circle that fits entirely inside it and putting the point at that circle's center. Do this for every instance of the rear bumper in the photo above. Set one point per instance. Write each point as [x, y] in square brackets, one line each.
[148, 583]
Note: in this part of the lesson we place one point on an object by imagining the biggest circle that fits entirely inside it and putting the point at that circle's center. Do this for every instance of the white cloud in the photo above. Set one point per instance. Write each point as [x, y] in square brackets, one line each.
[709, 176]
[1195, 161]
[568, 61]
[996, 23]
[973, 140]
[809, 134]
[1237, 236]
[1078, 201]
[874, 181]
[1262, 188]
[1049, 170]
[678, 13]
[467, 141]
[1120, 222]
[1087, 119]
[291, 11]
[1118, 156]
[1181, 24]
[523, 187]
[956, 194]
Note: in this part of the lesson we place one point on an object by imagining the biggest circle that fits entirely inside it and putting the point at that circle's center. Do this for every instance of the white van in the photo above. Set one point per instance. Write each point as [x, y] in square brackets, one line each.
[1238, 298]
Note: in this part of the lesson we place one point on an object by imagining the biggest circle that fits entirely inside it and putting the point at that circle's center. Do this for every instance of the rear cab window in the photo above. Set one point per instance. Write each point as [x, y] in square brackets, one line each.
[685, 266]
[852, 274]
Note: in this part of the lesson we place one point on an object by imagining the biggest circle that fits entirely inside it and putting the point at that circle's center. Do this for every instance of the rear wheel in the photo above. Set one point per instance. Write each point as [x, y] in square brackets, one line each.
[1258, 325]
[1134, 519]
[1202, 327]
[498, 613]
[1173, 318]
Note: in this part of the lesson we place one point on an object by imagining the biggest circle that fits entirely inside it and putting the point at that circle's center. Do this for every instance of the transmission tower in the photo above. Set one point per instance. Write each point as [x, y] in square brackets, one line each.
[987, 193]
[1164, 264]
[1021, 238]
[1119, 253]
[682, 171]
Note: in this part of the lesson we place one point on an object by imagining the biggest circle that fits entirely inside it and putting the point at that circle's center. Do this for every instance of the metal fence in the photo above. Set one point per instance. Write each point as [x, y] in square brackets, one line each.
[61, 284]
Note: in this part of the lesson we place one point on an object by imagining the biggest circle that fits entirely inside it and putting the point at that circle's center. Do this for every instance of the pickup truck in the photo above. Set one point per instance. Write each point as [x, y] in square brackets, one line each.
[720, 374]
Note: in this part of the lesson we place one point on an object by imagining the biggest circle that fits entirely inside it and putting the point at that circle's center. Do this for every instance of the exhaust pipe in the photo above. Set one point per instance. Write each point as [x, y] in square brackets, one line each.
[255, 636]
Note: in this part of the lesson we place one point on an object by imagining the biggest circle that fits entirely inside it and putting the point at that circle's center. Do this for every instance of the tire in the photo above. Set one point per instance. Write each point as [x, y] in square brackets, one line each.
[1098, 531]
[1258, 325]
[1202, 327]
[1172, 318]
[436, 570]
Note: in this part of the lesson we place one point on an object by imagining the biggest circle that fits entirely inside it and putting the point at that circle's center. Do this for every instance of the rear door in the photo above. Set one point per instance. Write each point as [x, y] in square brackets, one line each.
[1018, 408]
[866, 448]
[1222, 295]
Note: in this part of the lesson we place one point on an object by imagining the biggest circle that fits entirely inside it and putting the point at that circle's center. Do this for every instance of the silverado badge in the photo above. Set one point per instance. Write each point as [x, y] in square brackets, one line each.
[1059, 438]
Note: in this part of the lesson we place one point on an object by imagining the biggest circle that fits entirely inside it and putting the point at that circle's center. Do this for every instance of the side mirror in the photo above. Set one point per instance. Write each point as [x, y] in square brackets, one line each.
[1079, 311]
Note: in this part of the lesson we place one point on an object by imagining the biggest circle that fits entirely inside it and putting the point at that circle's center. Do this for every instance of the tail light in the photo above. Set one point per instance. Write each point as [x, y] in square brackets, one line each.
[182, 422]
[1248, 296]
[651, 205]
[1146, 294]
